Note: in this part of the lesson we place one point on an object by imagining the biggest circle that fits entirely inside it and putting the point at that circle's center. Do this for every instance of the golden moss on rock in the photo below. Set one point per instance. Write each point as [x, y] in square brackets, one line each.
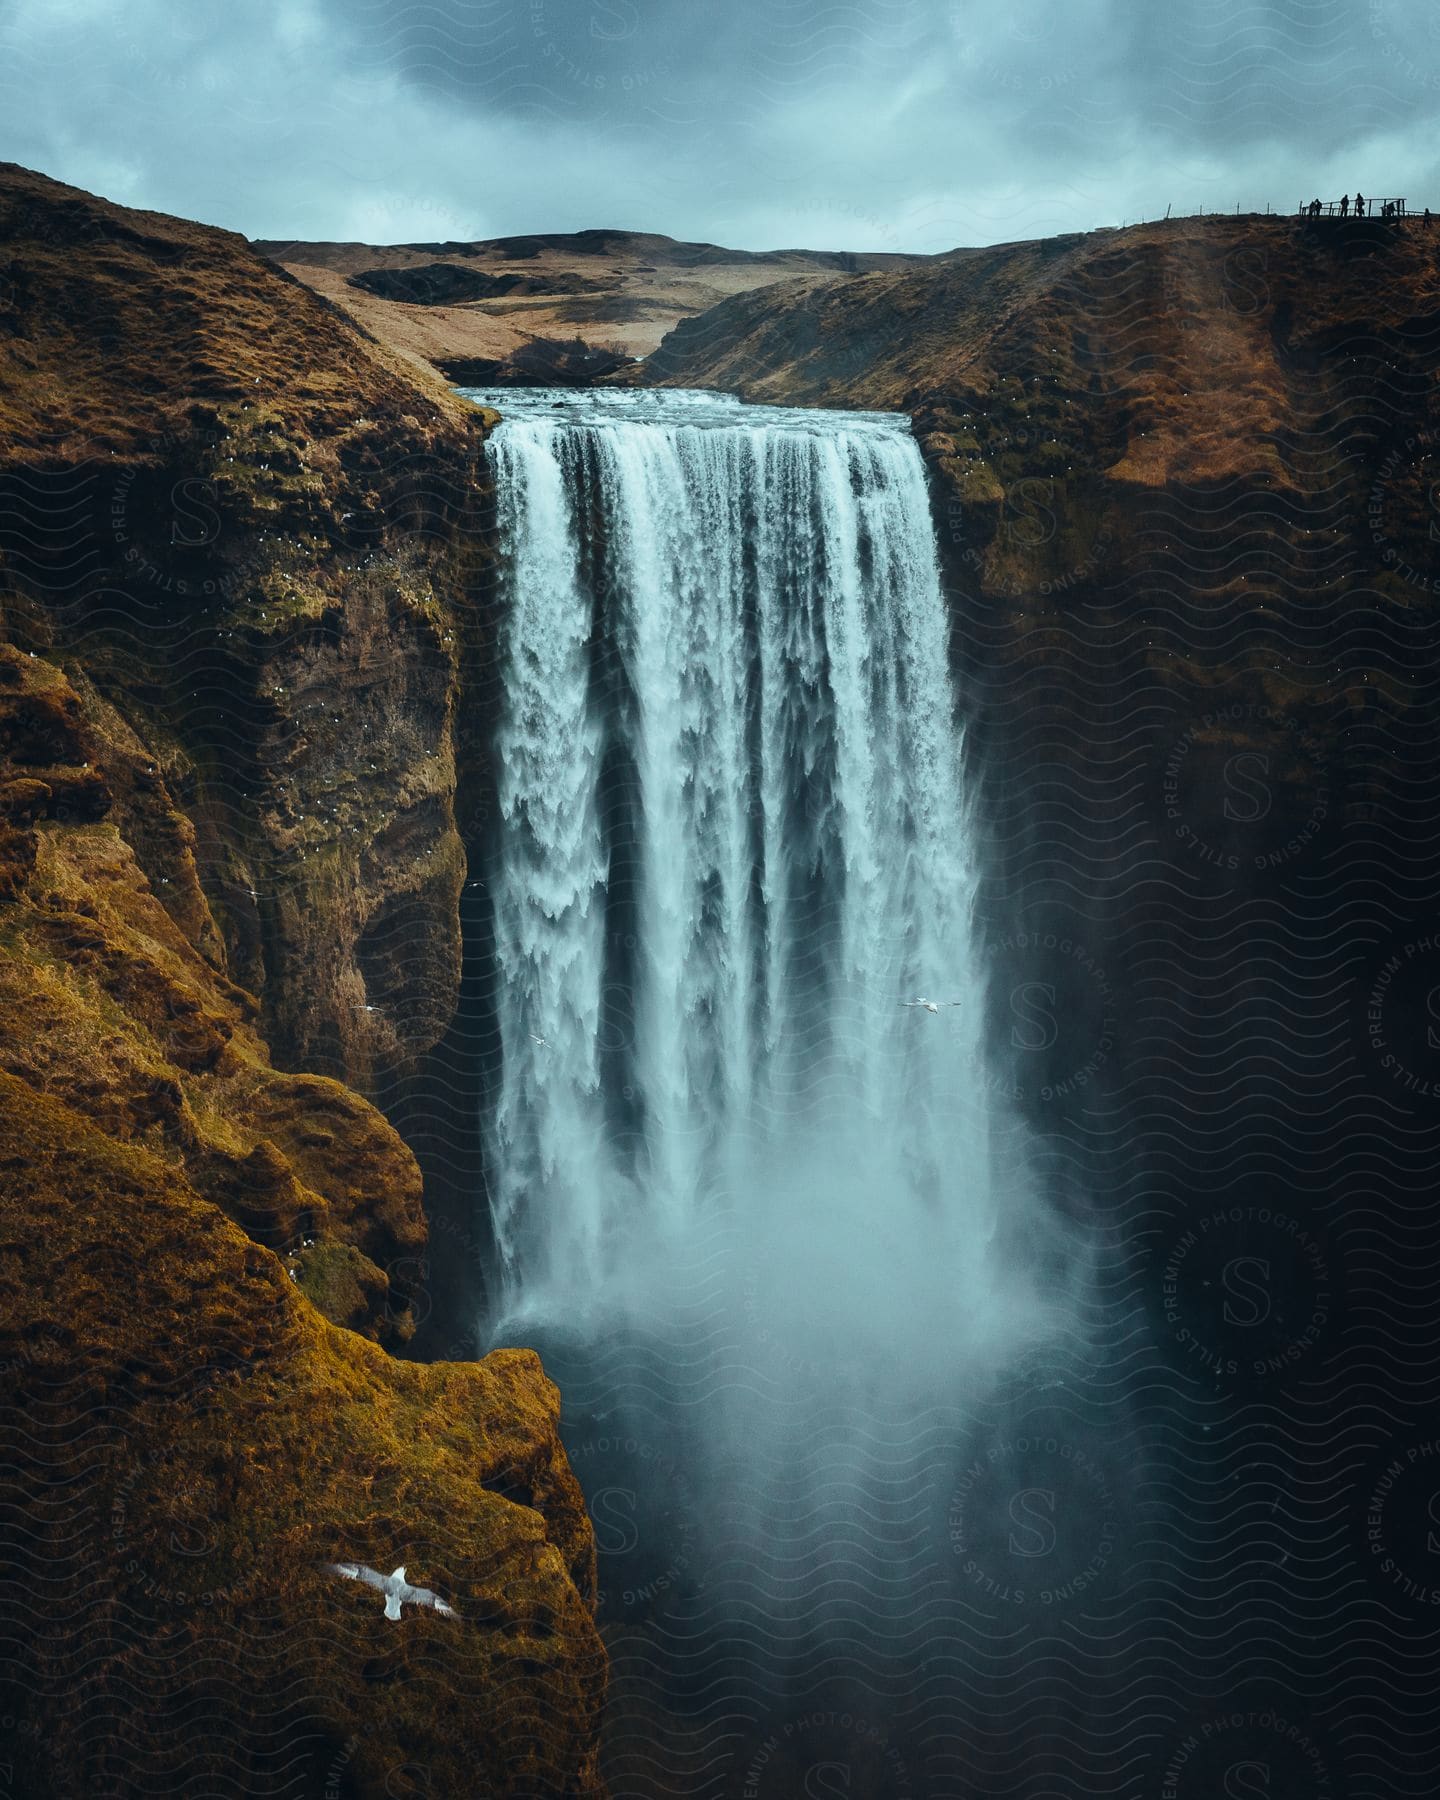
[198, 1442]
[185, 1231]
[106, 1003]
[275, 524]
[235, 577]
[338, 1282]
[236, 573]
[89, 371]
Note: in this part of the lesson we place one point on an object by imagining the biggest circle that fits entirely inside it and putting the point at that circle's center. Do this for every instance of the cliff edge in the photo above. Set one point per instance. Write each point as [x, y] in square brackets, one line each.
[240, 578]
[1184, 481]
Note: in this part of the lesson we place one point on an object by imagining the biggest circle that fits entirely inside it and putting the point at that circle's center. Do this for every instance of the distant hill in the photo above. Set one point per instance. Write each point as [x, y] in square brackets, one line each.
[478, 306]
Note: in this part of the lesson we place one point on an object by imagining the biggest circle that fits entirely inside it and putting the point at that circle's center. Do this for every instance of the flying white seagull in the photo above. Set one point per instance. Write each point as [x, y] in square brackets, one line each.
[932, 1006]
[539, 1040]
[396, 1589]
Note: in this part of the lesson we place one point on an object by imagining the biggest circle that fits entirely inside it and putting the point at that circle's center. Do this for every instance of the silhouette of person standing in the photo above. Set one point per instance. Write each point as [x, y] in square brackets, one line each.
[1359, 204]
[1344, 206]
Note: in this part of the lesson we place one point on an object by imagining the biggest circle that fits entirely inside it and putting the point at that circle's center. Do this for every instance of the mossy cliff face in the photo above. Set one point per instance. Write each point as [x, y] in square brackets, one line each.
[109, 1002]
[241, 598]
[253, 531]
[195, 1441]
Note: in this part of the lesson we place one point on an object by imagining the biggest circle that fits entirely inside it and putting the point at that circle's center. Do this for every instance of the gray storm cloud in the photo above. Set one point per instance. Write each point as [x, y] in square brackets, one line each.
[875, 124]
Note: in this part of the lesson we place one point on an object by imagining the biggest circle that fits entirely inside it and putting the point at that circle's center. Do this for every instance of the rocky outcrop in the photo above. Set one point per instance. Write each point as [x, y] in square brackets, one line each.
[110, 1003]
[242, 598]
[187, 1231]
[541, 362]
[191, 1442]
[450, 284]
[250, 531]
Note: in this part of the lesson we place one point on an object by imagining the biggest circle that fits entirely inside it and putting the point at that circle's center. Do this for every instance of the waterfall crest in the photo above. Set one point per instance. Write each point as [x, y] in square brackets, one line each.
[734, 841]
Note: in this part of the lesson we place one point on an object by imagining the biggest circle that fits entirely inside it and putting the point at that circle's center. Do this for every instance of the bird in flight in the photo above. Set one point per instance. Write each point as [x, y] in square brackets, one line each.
[932, 1006]
[538, 1040]
[396, 1589]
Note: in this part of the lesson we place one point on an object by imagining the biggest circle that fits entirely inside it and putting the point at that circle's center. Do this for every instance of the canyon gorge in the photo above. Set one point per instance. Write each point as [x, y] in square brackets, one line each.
[1139, 527]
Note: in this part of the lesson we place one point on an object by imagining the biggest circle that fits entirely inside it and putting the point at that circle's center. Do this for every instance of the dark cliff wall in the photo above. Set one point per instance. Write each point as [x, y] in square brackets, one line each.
[249, 527]
[242, 629]
[1185, 487]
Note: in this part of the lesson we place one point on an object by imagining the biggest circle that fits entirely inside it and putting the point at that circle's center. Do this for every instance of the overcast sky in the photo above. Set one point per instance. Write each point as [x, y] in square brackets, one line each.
[855, 124]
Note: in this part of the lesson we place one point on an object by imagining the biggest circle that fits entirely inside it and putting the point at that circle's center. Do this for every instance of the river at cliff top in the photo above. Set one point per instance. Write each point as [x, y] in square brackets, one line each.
[776, 1235]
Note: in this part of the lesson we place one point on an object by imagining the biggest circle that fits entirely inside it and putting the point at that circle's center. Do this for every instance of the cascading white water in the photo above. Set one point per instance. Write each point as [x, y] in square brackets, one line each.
[734, 841]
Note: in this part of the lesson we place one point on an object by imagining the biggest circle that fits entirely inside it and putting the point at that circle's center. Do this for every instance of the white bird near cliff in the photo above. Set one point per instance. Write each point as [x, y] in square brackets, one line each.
[538, 1040]
[932, 1006]
[396, 1589]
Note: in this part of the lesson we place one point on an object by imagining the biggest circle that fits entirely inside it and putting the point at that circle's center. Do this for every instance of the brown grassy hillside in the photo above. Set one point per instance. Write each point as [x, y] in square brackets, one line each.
[614, 291]
[1209, 439]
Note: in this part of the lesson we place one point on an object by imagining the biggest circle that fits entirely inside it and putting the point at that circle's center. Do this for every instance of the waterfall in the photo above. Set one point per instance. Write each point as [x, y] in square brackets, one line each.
[734, 840]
